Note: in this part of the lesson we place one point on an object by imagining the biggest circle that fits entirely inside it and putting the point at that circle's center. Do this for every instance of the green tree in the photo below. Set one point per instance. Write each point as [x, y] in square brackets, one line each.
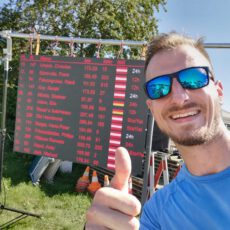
[105, 19]
[102, 19]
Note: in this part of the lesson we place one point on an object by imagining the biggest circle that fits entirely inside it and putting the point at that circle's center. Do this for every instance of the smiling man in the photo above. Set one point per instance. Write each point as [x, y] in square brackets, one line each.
[188, 110]
[184, 99]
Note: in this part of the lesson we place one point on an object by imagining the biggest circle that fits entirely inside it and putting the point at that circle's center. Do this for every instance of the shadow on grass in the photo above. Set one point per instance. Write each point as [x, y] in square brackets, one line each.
[63, 182]
[16, 167]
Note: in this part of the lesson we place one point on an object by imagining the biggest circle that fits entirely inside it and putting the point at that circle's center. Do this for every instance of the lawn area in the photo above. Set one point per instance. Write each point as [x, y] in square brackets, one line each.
[58, 203]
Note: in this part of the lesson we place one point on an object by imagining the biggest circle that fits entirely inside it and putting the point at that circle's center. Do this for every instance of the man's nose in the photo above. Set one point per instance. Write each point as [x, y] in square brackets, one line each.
[179, 95]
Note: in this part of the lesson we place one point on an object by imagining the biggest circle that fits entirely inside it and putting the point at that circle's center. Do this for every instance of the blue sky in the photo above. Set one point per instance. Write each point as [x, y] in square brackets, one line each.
[203, 18]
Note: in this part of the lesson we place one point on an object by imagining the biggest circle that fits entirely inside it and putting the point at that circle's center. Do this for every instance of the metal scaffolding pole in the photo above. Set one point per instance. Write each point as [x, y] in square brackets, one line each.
[34, 36]
[217, 45]
[8, 33]
[7, 52]
[7, 57]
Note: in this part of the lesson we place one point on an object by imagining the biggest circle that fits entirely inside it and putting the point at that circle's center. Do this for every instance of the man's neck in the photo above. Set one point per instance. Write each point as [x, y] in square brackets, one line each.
[208, 158]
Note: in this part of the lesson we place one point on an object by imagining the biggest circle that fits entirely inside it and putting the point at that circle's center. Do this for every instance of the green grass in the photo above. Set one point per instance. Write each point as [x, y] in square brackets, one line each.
[58, 204]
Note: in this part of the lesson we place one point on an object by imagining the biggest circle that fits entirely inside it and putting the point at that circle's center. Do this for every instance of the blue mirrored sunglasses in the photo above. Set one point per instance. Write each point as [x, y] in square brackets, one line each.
[189, 78]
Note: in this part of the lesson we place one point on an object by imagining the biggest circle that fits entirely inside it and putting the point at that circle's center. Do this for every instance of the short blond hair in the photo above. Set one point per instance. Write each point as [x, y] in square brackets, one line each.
[172, 40]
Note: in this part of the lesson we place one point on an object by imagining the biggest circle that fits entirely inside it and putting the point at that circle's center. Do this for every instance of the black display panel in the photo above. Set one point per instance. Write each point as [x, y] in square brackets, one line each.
[81, 109]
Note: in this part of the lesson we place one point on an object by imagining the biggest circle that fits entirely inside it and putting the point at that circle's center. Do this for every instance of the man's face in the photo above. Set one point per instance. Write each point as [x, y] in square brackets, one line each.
[189, 117]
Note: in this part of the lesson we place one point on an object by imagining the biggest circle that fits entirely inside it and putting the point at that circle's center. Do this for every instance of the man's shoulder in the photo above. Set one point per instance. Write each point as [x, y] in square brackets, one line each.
[154, 207]
[163, 195]
[166, 191]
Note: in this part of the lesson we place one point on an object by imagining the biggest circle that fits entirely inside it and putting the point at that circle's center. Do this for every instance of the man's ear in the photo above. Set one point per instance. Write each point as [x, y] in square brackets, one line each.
[219, 88]
[149, 104]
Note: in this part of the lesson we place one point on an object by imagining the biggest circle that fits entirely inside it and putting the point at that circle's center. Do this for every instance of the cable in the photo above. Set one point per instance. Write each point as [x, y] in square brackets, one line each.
[4, 195]
[2, 205]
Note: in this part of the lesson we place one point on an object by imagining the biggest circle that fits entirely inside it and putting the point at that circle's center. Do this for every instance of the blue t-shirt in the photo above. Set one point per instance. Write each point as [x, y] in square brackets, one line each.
[190, 203]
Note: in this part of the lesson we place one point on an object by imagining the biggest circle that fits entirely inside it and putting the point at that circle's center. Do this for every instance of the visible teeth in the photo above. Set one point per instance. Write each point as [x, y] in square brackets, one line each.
[184, 115]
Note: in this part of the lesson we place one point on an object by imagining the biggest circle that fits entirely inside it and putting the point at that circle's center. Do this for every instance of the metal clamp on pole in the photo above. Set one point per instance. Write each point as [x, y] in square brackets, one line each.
[8, 50]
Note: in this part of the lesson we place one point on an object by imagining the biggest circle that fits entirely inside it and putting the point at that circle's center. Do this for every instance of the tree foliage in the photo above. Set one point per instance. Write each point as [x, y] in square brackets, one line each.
[116, 19]
[104, 19]
[101, 19]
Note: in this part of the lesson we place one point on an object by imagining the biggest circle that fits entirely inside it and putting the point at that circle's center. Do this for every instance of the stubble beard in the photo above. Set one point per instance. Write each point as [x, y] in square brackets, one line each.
[199, 136]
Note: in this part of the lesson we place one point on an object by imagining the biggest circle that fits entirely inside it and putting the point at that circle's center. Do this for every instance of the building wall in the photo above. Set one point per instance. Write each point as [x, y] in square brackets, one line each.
[226, 118]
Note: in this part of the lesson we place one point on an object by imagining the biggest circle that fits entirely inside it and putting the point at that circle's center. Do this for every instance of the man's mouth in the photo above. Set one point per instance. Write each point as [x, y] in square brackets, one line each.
[184, 115]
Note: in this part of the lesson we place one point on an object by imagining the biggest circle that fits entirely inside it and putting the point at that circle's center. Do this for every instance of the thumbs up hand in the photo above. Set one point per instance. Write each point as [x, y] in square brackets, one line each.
[122, 170]
[114, 208]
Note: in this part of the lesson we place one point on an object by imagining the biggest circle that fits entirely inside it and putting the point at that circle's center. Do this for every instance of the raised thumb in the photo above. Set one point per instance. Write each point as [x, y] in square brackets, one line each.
[122, 170]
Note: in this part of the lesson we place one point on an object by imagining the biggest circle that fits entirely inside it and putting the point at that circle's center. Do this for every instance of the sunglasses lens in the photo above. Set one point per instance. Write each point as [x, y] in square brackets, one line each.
[158, 87]
[190, 78]
[194, 78]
